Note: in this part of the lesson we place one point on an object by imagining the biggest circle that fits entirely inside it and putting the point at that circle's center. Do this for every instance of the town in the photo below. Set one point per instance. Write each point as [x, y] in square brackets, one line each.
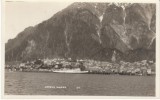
[143, 67]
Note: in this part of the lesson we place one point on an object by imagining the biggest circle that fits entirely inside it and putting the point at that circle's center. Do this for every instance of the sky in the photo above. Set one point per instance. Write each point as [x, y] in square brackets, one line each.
[20, 15]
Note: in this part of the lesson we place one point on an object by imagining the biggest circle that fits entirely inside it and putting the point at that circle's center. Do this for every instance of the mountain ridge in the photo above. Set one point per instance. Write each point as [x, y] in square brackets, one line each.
[83, 29]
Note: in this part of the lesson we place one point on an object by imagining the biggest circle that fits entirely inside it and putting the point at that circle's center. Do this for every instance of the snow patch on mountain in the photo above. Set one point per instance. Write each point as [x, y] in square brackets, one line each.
[101, 17]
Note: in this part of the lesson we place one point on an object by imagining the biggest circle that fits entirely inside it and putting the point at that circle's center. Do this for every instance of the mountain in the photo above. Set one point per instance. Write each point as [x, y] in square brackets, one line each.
[90, 31]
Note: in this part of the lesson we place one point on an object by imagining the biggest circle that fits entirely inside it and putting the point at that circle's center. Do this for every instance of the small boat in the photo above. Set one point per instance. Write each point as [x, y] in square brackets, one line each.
[71, 71]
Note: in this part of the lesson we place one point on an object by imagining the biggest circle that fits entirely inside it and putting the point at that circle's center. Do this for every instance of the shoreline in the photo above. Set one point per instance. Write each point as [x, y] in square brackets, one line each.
[99, 73]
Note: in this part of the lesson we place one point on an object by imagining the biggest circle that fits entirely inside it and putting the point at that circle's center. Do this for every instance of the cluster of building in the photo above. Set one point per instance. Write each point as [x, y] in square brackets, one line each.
[98, 67]
[124, 68]
[47, 65]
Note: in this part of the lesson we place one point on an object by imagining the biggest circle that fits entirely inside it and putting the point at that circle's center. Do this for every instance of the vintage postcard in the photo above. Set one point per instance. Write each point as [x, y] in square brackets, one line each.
[80, 49]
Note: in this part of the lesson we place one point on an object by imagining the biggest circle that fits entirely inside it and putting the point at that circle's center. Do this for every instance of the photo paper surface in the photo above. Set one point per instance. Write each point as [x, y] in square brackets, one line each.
[80, 48]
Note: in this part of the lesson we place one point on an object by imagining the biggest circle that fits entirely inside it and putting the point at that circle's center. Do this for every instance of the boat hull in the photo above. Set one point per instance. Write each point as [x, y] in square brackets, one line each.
[71, 72]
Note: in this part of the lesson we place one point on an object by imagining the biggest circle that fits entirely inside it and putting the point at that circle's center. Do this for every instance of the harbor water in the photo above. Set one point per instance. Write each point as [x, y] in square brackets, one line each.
[41, 83]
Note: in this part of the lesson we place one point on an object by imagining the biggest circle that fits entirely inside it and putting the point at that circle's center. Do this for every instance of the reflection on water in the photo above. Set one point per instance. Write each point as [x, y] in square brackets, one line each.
[31, 83]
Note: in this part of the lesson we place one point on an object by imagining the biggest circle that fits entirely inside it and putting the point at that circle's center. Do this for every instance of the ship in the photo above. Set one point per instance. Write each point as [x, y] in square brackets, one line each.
[71, 71]
[80, 69]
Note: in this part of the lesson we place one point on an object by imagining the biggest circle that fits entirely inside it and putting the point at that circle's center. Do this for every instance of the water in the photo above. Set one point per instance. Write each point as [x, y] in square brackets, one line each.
[34, 83]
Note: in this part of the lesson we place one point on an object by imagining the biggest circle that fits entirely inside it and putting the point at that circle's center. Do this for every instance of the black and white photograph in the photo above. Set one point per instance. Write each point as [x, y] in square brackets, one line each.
[80, 48]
